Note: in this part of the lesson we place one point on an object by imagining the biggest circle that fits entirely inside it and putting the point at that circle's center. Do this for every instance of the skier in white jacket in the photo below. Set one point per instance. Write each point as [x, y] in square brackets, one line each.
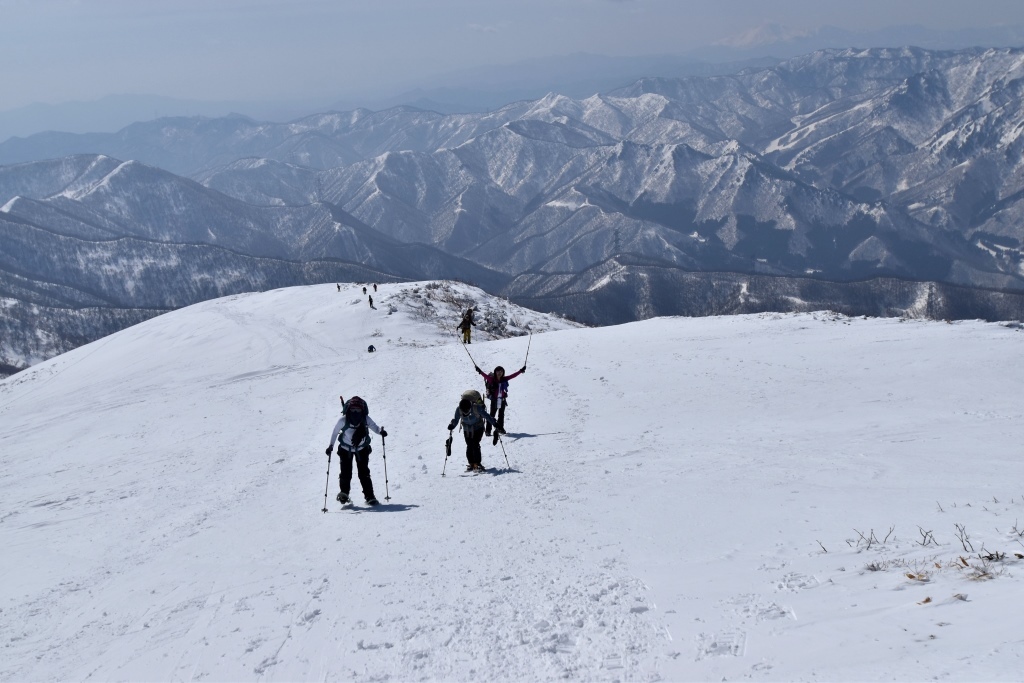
[352, 433]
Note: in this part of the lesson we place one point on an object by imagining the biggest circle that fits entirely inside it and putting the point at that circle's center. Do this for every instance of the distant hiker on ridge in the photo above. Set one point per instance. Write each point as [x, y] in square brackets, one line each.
[353, 437]
[467, 325]
[339, 287]
[364, 290]
[497, 391]
[371, 301]
[470, 412]
[375, 286]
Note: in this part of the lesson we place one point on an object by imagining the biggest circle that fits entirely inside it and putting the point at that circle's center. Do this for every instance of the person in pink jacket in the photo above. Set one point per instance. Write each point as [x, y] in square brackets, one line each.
[497, 391]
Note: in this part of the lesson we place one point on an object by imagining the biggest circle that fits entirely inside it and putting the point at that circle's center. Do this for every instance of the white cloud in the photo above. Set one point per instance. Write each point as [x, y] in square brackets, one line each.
[765, 34]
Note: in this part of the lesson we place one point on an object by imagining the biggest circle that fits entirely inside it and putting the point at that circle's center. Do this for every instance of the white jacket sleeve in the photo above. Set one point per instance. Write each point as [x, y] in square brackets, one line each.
[372, 425]
[337, 428]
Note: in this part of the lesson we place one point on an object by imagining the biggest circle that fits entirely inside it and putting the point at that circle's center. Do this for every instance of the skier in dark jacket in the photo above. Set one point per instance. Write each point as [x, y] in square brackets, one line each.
[473, 418]
[353, 437]
[497, 392]
[467, 326]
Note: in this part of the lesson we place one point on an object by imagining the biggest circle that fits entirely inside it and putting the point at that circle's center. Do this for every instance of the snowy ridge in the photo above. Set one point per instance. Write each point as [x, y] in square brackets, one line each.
[848, 166]
[770, 496]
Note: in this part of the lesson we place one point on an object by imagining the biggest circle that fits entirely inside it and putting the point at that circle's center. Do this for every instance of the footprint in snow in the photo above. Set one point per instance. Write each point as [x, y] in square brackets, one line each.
[795, 581]
[726, 644]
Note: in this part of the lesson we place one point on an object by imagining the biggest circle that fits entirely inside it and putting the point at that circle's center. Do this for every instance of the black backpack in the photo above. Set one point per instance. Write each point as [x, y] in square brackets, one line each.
[356, 411]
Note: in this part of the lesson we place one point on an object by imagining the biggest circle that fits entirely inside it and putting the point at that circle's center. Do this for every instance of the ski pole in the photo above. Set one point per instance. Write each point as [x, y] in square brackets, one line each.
[384, 449]
[328, 482]
[528, 349]
[447, 451]
[466, 349]
[504, 453]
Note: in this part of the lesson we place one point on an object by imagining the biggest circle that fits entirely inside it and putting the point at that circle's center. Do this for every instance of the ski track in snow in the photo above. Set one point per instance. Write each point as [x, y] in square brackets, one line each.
[670, 483]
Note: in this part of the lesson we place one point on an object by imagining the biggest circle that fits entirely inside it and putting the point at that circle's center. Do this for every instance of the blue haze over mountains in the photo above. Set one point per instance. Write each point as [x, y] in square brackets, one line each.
[484, 88]
[881, 181]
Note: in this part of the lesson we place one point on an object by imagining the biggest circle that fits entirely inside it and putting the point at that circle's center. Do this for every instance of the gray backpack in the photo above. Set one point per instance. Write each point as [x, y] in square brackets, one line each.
[474, 397]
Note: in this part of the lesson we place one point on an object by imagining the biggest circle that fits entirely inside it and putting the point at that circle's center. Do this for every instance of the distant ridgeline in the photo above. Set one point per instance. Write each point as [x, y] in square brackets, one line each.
[876, 182]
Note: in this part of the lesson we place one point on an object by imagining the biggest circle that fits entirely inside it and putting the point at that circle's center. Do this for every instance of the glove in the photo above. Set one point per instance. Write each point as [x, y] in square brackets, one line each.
[477, 368]
[330, 449]
[451, 426]
[383, 432]
[523, 370]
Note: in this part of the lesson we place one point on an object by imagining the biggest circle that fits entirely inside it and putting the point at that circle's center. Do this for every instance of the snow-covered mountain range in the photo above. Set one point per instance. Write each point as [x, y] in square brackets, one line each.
[770, 497]
[841, 173]
[92, 244]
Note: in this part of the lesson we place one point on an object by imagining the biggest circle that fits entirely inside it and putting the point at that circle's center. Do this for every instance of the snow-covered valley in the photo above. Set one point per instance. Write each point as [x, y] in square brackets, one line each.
[774, 497]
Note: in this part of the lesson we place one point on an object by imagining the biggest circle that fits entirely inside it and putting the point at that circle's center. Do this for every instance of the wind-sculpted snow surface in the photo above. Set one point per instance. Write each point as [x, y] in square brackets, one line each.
[687, 499]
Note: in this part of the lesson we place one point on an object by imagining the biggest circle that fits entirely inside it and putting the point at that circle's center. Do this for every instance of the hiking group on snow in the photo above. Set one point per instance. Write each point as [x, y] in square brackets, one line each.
[352, 430]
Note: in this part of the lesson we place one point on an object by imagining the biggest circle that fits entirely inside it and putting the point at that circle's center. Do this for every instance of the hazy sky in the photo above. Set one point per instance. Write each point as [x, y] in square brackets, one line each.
[59, 50]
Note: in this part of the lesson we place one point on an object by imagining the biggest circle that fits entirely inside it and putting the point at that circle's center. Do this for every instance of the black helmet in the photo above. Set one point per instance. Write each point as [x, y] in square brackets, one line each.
[464, 406]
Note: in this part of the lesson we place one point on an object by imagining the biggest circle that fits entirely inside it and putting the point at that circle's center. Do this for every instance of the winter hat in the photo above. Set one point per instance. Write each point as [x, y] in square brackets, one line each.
[464, 405]
[355, 406]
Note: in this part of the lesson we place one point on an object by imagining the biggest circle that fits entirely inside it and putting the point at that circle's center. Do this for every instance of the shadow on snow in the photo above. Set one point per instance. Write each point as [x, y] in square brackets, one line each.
[515, 436]
[382, 507]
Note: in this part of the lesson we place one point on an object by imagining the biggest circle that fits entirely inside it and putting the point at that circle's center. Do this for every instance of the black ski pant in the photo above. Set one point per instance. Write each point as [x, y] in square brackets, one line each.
[474, 435]
[497, 406]
[362, 467]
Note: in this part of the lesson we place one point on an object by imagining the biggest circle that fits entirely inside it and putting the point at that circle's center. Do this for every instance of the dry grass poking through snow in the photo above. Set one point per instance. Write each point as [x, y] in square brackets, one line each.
[958, 554]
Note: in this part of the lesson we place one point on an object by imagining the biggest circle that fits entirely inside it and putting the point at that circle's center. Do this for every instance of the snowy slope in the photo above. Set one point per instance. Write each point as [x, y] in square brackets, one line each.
[682, 499]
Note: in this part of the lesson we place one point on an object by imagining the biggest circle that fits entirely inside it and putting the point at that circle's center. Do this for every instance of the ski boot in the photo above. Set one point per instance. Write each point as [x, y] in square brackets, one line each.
[372, 501]
[343, 498]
